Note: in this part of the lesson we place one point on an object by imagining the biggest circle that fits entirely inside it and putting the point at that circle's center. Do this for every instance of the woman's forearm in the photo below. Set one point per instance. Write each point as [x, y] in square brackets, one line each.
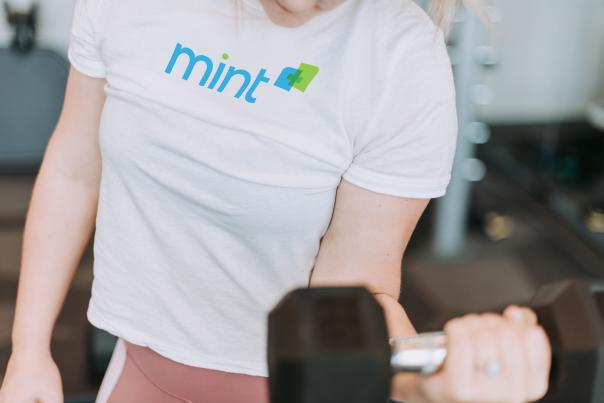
[59, 223]
[404, 386]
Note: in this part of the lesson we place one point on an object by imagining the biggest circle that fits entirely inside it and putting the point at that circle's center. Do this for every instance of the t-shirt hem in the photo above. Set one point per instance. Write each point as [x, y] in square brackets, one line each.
[89, 68]
[397, 186]
[98, 319]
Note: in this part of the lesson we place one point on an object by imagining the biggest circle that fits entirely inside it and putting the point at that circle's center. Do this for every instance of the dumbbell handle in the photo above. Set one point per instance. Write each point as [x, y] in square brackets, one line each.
[424, 353]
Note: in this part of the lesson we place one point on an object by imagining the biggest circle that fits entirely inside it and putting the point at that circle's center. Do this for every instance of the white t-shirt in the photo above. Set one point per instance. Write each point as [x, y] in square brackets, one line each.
[223, 140]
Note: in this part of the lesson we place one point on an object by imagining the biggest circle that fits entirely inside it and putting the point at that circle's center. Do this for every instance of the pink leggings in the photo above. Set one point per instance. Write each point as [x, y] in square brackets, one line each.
[137, 374]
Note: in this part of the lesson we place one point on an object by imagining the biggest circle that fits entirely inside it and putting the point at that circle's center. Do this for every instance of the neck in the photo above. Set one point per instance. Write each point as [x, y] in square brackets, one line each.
[280, 14]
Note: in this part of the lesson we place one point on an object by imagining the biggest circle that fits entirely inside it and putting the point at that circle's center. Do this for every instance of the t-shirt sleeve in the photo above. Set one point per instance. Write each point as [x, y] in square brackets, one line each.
[84, 51]
[406, 131]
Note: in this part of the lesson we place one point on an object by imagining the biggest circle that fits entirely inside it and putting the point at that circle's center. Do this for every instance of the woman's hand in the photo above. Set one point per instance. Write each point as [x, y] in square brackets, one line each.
[492, 358]
[31, 377]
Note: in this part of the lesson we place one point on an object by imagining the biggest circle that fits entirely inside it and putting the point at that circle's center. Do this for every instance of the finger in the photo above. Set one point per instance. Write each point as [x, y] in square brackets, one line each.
[536, 349]
[538, 353]
[531, 316]
[511, 344]
[520, 315]
[458, 367]
[489, 387]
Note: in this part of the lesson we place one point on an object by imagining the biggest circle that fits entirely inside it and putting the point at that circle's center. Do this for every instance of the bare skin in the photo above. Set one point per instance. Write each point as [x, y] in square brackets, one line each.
[364, 244]
[59, 224]
[293, 13]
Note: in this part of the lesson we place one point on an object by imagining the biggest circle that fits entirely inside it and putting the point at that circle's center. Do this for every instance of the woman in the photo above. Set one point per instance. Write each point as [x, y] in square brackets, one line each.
[247, 148]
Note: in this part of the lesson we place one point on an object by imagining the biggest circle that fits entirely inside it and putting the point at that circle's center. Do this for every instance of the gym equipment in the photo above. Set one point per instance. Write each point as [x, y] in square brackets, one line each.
[595, 113]
[99, 347]
[330, 345]
[468, 56]
[497, 226]
[594, 219]
[80, 399]
[33, 85]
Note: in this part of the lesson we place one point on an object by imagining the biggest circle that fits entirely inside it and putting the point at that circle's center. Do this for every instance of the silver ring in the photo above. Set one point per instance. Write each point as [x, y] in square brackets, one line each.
[491, 368]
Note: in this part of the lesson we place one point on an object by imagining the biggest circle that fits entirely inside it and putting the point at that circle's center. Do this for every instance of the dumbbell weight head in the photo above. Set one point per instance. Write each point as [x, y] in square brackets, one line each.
[328, 345]
[572, 314]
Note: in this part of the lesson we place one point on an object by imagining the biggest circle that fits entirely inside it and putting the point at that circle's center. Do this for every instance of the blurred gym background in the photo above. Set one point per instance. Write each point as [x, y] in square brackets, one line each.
[525, 206]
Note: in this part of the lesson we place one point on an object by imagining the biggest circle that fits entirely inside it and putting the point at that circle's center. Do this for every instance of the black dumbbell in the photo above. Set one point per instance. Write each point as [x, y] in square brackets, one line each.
[330, 345]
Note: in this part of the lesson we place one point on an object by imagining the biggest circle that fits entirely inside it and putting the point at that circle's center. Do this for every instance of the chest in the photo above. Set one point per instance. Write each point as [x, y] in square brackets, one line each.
[206, 69]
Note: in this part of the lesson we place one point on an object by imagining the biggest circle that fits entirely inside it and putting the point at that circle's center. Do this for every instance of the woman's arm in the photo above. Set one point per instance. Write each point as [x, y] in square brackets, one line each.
[364, 245]
[61, 214]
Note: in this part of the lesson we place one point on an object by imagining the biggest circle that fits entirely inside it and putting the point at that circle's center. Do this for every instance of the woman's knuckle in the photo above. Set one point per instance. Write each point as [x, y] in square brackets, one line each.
[454, 326]
[540, 334]
[508, 334]
[531, 314]
[536, 337]
[492, 316]
[469, 320]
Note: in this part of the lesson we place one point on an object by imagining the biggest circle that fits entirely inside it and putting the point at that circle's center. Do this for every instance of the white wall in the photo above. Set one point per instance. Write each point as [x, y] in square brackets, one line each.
[552, 59]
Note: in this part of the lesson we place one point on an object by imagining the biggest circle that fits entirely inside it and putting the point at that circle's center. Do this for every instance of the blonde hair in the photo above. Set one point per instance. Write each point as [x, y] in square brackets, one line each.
[443, 11]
